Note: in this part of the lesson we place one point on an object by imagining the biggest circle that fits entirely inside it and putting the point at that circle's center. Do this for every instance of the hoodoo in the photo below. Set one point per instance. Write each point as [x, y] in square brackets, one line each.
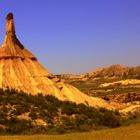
[20, 70]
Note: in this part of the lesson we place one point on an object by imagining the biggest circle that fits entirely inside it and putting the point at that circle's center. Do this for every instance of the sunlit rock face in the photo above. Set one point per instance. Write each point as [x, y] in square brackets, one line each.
[20, 70]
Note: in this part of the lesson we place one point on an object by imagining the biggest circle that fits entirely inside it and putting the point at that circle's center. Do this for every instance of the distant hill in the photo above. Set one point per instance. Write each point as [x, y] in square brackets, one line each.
[107, 82]
[114, 71]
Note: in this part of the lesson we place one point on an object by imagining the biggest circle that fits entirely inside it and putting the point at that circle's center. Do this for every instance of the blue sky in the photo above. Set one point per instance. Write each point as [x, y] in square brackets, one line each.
[77, 36]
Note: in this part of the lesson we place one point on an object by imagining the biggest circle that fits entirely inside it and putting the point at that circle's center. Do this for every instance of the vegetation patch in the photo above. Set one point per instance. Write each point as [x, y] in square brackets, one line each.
[21, 113]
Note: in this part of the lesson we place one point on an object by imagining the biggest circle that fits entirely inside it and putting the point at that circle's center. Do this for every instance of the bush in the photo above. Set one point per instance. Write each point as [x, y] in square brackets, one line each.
[33, 114]
[60, 116]
[110, 120]
[21, 108]
[15, 126]
[69, 108]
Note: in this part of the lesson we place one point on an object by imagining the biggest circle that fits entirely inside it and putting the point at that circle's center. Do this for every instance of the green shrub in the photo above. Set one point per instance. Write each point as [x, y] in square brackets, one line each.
[60, 116]
[33, 114]
[110, 120]
[15, 126]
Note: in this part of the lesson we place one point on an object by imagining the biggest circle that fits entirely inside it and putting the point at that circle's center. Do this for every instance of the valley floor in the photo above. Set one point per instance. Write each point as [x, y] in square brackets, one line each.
[131, 132]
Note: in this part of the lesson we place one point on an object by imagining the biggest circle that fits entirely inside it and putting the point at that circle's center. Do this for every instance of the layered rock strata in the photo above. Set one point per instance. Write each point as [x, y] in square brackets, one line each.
[20, 70]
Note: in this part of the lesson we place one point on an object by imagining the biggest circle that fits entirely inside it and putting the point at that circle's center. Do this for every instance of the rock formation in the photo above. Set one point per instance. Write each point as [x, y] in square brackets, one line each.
[114, 71]
[123, 98]
[20, 70]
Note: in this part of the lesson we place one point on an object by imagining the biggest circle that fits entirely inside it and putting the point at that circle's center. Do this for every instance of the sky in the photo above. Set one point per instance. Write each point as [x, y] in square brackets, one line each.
[77, 36]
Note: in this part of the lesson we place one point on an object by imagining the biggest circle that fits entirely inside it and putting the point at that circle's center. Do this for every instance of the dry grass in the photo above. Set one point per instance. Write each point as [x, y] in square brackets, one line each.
[131, 132]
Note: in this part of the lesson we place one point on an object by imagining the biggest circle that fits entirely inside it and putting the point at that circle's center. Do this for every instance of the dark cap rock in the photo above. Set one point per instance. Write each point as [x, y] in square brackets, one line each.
[9, 16]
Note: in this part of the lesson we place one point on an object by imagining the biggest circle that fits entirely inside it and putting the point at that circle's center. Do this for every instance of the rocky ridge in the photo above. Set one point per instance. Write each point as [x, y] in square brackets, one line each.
[114, 71]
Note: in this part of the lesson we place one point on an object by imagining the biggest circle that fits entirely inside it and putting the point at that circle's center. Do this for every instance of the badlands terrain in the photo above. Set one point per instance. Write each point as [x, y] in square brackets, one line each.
[113, 80]
[119, 85]
[34, 101]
